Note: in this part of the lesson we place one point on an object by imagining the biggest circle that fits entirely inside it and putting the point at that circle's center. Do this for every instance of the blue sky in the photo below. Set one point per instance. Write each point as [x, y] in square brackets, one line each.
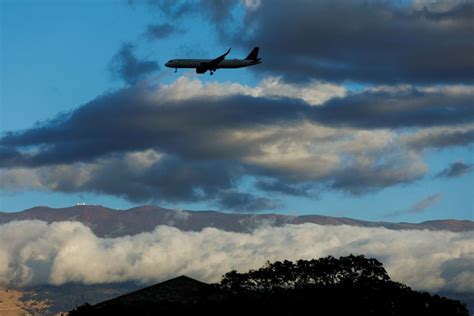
[55, 57]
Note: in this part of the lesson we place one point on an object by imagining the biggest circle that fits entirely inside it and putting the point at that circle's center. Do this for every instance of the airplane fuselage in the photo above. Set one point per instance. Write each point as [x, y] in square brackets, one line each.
[196, 63]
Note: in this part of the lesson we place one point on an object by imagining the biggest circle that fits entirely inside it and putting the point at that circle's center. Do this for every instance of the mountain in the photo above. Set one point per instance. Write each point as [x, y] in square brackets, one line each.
[166, 298]
[182, 289]
[106, 222]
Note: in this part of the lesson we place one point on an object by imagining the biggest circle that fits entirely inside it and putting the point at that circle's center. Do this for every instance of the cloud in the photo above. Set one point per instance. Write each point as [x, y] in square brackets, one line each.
[56, 253]
[373, 174]
[138, 176]
[377, 42]
[312, 92]
[411, 107]
[244, 202]
[165, 178]
[426, 203]
[143, 177]
[171, 8]
[164, 117]
[455, 169]
[194, 141]
[126, 66]
[218, 11]
[159, 31]
[440, 137]
[420, 206]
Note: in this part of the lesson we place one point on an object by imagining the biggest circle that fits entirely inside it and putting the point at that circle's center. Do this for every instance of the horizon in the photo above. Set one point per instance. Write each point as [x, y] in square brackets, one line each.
[289, 214]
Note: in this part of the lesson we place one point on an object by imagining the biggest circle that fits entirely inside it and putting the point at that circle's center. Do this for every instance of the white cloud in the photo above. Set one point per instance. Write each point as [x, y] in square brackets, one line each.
[251, 4]
[37, 252]
[458, 89]
[313, 93]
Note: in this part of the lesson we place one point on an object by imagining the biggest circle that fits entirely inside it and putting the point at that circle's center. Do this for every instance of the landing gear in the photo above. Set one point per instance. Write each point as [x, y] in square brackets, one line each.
[175, 70]
[212, 72]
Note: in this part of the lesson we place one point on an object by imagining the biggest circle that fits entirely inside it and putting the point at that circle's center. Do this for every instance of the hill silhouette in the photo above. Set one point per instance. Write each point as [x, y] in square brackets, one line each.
[351, 285]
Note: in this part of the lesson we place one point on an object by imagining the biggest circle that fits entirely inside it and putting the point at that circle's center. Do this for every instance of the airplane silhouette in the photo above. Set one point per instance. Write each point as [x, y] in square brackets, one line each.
[203, 65]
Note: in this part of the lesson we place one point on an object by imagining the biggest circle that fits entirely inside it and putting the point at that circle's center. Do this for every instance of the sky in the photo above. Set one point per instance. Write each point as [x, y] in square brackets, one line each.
[360, 109]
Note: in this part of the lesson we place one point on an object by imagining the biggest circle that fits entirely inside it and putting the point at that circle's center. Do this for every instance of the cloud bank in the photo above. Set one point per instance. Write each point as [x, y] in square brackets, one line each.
[34, 252]
[193, 141]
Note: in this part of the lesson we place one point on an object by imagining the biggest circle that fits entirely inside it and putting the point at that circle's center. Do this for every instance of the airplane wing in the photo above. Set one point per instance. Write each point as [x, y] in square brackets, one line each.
[213, 63]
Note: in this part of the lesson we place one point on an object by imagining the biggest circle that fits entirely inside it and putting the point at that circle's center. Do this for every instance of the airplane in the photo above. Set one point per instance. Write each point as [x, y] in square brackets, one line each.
[203, 65]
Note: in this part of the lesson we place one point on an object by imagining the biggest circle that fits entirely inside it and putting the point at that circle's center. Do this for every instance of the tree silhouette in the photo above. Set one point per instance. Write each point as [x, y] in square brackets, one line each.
[323, 272]
[351, 285]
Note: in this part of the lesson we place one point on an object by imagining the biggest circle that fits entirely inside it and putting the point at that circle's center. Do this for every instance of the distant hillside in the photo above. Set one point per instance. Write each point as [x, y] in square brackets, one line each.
[54, 299]
[14, 303]
[113, 223]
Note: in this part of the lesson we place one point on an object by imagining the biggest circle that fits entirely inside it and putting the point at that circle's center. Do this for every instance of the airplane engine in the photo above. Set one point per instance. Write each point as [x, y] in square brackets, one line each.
[201, 70]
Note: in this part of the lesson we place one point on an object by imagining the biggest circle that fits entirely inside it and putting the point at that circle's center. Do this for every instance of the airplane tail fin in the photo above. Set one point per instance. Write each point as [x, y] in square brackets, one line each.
[253, 54]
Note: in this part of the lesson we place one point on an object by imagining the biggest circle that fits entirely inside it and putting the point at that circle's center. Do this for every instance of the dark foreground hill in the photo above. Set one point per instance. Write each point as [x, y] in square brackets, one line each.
[351, 285]
[106, 222]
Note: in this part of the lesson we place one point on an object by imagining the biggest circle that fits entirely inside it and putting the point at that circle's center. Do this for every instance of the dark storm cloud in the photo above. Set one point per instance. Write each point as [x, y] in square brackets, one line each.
[10, 156]
[130, 119]
[244, 202]
[367, 41]
[126, 66]
[376, 41]
[159, 31]
[126, 121]
[144, 178]
[405, 108]
[359, 180]
[456, 169]
[171, 179]
[442, 140]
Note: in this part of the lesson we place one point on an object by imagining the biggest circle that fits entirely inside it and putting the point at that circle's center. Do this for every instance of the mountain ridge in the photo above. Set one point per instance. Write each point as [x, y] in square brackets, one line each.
[108, 222]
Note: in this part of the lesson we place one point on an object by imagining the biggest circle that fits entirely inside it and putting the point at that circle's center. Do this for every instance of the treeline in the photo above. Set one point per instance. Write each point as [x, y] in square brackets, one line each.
[352, 285]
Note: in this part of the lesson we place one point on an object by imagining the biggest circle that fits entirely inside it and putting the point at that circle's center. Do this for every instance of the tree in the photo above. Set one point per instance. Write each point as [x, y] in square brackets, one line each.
[325, 271]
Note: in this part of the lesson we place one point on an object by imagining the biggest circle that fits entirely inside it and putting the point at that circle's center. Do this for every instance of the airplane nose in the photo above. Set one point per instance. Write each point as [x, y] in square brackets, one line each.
[167, 64]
